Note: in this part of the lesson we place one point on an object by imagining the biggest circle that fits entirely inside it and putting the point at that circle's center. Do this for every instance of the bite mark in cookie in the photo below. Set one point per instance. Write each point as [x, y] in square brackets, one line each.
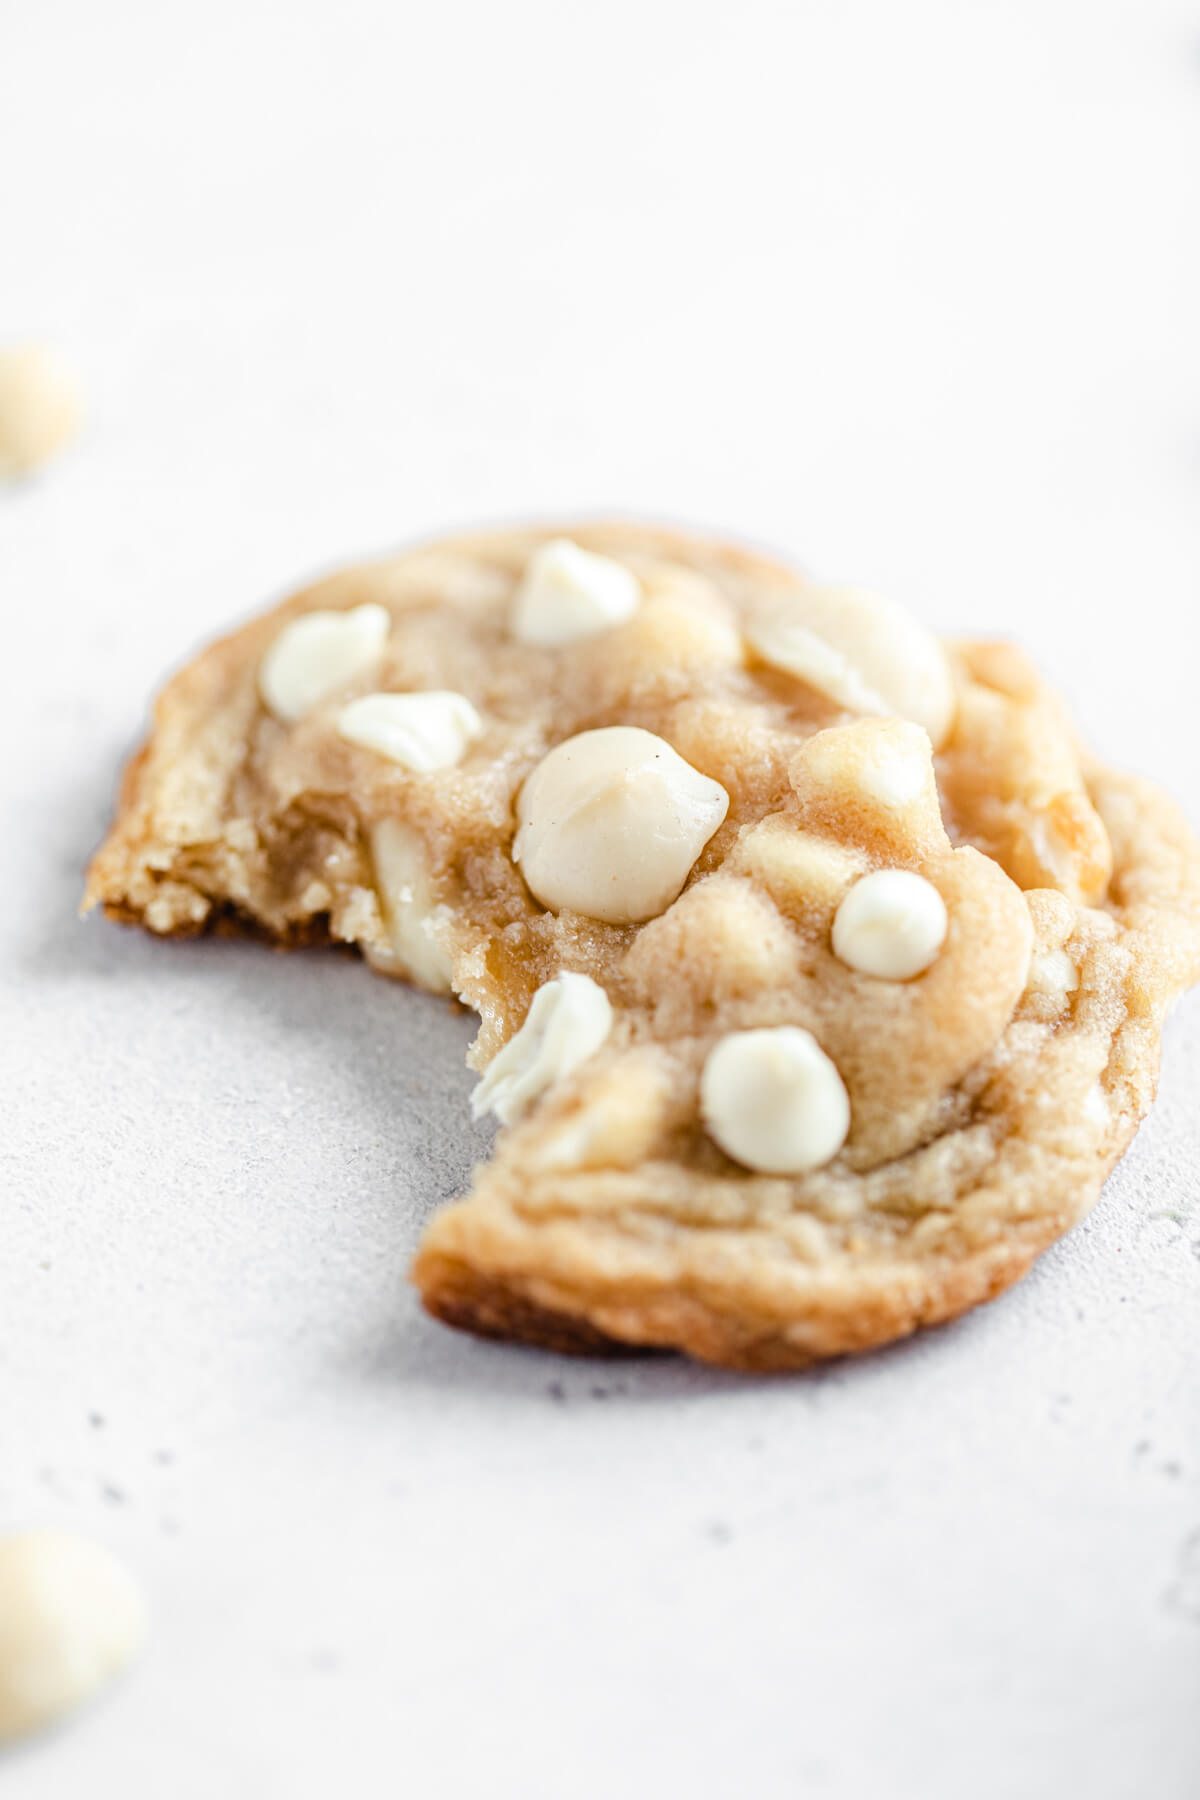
[803, 1035]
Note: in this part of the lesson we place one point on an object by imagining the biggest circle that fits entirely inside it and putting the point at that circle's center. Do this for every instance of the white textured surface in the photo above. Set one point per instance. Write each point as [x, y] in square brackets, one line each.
[910, 290]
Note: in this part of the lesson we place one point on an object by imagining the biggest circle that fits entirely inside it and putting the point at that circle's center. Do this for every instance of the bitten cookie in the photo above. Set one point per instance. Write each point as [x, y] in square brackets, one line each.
[820, 972]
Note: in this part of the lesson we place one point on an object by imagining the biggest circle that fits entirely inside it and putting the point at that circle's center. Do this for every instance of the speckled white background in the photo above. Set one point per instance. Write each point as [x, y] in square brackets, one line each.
[909, 290]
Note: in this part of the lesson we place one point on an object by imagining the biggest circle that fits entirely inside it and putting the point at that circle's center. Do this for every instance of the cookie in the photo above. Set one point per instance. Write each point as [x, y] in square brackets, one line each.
[820, 971]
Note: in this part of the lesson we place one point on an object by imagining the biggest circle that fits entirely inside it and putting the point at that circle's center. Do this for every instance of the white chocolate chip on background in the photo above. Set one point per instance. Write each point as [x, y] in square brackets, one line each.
[71, 1619]
[774, 1101]
[317, 654]
[40, 408]
[891, 924]
[422, 731]
[568, 1020]
[568, 593]
[868, 654]
[402, 879]
[611, 822]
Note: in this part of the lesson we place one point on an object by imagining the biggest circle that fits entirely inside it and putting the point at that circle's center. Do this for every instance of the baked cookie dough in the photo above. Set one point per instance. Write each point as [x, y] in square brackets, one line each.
[820, 971]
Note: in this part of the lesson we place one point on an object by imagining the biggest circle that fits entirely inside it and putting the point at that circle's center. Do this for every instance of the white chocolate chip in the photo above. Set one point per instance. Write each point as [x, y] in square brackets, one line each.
[894, 775]
[1052, 973]
[70, 1620]
[796, 649]
[611, 822]
[774, 1101]
[567, 1022]
[408, 907]
[317, 654]
[891, 924]
[39, 409]
[567, 593]
[422, 732]
[867, 654]
[1095, 1105]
